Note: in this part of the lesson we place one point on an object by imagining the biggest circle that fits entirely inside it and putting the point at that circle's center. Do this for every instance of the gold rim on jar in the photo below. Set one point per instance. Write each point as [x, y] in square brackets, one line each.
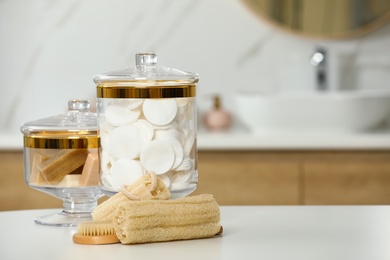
[62, 143]
[184, 91]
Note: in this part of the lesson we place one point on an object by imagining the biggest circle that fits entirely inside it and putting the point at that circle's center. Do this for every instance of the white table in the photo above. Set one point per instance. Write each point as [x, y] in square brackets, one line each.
[250, 232]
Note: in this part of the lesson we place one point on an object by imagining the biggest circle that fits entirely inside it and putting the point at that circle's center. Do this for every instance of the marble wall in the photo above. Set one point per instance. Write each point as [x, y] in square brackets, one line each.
[50, 50]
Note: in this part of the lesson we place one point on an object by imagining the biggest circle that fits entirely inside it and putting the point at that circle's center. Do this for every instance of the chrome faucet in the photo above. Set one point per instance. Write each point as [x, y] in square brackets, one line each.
[319, 60]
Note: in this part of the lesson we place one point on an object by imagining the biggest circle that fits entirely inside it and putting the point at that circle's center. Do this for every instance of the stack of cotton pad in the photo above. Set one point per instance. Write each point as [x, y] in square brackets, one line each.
[148, 135]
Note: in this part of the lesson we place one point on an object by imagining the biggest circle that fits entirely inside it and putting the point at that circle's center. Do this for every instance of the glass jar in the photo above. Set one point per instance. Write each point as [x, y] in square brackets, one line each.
[61, 158]
[147, 123]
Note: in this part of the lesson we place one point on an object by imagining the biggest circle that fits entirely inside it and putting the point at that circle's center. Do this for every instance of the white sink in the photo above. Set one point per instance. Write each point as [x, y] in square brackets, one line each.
[323, 112]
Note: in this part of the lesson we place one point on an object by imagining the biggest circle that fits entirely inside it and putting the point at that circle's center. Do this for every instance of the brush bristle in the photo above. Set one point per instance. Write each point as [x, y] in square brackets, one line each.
[95, 233]
[98, 228]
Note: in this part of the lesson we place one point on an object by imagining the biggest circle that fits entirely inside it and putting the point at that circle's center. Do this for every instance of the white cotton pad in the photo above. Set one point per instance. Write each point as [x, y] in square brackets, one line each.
[160, 111]
[178, 149]
[182, 103]
[182, 109]
[162, 134]
[104, 124]
[104, 139]
[158, 156]
[182, 177]
[105, 162]
[120, 115]
[189, 142]
[107, 182]
[134, 103]
[172, 124]
[182, 186]
[183, 123]
[145, 130]
[123, 102]
[185, 165]
[125, 142]
[166, 178]
[125, 172]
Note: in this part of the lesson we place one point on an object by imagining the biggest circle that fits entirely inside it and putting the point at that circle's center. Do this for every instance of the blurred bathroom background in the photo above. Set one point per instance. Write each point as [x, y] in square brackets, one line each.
[50, 51]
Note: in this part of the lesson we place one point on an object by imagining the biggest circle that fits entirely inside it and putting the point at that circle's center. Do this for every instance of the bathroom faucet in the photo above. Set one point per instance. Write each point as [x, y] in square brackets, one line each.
[319, 60]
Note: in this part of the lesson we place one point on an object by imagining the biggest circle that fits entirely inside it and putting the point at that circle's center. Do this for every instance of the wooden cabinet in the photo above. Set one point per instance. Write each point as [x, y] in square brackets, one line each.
[347, 178]
[14, 192]
[250, 178]
[303, 178]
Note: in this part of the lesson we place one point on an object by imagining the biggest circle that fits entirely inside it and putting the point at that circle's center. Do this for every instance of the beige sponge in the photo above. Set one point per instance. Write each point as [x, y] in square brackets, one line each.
[63, 163]
[148, 187]
[166, 220]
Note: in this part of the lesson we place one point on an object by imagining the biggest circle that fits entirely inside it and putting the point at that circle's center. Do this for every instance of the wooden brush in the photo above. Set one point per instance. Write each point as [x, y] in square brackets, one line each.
[95, 233]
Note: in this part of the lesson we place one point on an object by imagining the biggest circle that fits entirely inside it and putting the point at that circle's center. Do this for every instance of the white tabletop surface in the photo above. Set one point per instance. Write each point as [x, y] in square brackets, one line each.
[250, 232]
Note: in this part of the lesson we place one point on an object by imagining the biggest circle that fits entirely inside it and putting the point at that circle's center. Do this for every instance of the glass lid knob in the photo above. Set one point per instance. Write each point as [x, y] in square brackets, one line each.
[78, 105]
[146, 59]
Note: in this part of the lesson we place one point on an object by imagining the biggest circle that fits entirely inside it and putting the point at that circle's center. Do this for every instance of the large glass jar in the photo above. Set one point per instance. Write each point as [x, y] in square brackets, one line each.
[147, 123]
[61, 158]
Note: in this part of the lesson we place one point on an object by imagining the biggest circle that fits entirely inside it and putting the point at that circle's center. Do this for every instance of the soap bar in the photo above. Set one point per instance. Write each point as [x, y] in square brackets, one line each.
[70, 180]
[36, 177]
[90, 174]
[63, 163]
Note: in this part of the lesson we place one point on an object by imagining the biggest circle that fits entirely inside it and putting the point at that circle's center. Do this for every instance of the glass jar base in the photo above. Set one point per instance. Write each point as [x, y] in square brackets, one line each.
[63, 219]
[176, 194]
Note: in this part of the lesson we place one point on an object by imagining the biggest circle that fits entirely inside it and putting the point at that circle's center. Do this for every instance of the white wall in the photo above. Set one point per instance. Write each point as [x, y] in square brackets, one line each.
[50, 50]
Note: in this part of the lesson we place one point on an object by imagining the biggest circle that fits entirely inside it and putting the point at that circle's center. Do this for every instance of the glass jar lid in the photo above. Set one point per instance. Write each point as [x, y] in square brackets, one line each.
[77, 128]
[147, 73]
[78, 117]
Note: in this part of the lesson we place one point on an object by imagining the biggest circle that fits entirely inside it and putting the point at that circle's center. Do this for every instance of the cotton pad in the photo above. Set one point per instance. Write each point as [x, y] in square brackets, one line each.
[166, 179]
[185, 165]
[121, 115]
[182, 177]
[160, 111]
[158, 156]
[134, 103]
[125, 172]
[145, 130]
[178, 150]
[166, 133]
[125, 142]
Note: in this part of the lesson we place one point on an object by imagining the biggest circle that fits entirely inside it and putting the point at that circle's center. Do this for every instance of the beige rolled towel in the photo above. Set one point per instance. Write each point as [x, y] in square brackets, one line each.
[166, 220]
[148, 187]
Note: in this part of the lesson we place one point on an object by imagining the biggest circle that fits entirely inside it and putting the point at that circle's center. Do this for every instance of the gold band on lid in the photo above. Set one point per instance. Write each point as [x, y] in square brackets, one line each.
[184, 91]
[61, 143]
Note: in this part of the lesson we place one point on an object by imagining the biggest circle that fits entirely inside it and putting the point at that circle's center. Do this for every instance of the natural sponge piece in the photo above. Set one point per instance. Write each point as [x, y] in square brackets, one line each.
[64, 162]
[147, 187]
[166, 220]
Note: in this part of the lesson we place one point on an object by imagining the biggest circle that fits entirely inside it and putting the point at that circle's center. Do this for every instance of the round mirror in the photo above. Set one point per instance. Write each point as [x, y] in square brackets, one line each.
[324, 18]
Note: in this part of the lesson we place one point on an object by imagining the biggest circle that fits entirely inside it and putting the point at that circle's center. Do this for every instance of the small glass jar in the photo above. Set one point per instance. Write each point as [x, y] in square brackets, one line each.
[61, 158]
[147, 123]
